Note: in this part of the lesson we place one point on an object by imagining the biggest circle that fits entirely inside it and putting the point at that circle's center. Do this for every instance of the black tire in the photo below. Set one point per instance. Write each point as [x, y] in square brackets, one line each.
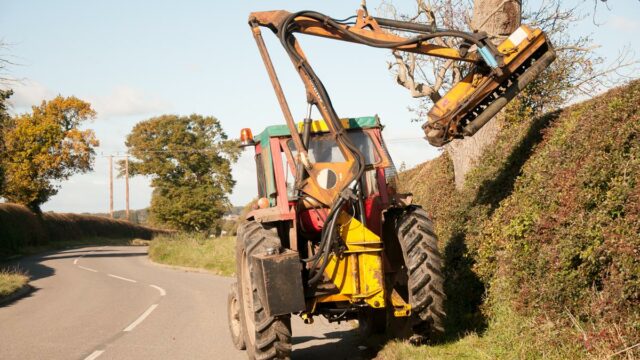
[423, 266]
[236, 328]
[265, 337]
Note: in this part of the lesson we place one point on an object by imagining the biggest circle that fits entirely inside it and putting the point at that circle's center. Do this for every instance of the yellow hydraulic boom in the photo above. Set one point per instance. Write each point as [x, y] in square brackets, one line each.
[342, 243]
[499, 73]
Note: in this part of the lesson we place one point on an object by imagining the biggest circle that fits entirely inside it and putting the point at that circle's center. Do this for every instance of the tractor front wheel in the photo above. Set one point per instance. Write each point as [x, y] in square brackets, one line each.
[266, 337]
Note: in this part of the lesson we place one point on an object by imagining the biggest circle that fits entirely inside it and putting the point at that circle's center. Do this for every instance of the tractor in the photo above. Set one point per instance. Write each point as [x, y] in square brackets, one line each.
[329, 234]
[381, 266]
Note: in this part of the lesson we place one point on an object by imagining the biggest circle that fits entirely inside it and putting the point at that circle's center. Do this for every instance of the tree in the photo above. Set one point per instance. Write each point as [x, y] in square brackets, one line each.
[498, 18]
[576, 71]
[189, 159]
[45, 147]
[4, 121]
[4, 96]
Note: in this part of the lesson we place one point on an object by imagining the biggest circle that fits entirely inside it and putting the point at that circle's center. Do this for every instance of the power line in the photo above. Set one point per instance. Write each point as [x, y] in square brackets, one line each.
[125, 154]
[204, 151]
[393, 140]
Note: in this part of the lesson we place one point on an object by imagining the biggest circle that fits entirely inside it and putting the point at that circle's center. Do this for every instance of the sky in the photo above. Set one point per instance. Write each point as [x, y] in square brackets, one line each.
[133, 60]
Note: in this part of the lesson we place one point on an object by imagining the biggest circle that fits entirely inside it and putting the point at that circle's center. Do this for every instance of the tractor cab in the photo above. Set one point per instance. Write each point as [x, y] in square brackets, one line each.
[276, 164]
[297, 255]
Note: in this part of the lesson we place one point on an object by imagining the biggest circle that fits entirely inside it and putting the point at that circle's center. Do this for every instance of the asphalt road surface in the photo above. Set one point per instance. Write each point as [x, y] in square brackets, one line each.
[113, 303]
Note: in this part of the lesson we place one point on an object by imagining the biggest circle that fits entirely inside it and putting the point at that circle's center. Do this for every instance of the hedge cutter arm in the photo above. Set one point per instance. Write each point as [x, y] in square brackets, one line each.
[498, 73]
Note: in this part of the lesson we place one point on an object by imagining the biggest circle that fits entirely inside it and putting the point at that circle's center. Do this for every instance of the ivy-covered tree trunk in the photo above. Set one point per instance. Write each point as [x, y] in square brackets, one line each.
[498, 18]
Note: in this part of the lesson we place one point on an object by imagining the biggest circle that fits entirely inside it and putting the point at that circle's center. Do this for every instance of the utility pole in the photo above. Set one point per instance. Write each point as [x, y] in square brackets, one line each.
[126, 187]
[111, 186]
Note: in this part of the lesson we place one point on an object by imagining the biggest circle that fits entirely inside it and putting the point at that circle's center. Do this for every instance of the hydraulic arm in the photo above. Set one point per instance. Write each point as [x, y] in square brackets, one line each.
[341, 243]
[497, 74]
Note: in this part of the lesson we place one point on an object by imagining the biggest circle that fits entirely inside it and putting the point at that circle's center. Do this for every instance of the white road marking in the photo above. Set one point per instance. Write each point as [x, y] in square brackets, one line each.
[141, 318]
[162, 291]
[94, 355]
[122, 278]
[88, 269]
[78, 258]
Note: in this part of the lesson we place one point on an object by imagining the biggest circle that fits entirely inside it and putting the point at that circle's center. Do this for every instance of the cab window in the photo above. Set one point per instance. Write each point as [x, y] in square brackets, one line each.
[323, 148]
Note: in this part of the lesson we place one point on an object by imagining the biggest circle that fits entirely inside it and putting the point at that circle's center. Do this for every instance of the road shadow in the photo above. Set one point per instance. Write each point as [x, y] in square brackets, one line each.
[109, 255]
[32, 267]
[336, 345]
[464, 290]
[82, 251]
[11, 302]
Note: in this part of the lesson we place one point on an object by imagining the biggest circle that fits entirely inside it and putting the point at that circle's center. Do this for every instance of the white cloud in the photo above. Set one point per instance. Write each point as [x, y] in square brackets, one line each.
[244, 173]
[624, 24]
[126, 101]
[121, 101]
[28, 93]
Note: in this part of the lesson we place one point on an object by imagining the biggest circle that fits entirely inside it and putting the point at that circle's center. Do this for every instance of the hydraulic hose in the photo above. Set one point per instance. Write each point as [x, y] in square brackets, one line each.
[324, 251]
[389, 44]
[285, 34]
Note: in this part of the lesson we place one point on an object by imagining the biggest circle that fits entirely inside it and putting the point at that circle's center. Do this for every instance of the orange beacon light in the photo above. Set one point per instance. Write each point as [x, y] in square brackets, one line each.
[246, 137]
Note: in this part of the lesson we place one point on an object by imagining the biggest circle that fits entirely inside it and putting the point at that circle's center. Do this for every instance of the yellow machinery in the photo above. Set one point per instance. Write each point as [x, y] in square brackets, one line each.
[329, 235]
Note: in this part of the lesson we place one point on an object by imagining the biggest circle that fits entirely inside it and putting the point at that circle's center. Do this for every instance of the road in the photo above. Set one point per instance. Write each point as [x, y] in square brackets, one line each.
[113, 303]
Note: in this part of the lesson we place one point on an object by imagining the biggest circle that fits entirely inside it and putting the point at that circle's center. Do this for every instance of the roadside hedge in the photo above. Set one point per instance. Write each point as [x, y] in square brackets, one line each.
[19, 228]
[548, 223]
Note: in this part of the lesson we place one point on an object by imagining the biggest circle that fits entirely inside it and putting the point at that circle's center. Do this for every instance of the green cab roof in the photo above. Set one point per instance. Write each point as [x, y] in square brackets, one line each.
[318, 126]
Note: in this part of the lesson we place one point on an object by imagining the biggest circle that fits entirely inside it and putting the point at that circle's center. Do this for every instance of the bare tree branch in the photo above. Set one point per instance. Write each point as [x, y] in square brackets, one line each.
[577, 71]
[5, 64]
[577, 48]
[405, 77]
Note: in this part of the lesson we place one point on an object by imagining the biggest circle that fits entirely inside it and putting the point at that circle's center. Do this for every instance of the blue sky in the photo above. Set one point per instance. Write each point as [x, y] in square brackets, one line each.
[136, 59]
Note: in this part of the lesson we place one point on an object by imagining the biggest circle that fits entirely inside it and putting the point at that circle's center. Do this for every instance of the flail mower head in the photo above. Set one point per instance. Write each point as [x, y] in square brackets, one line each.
[480, 95]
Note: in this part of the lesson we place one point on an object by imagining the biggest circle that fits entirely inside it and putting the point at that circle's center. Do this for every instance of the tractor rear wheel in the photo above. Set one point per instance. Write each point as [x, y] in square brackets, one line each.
[266, 337]
[421, 273]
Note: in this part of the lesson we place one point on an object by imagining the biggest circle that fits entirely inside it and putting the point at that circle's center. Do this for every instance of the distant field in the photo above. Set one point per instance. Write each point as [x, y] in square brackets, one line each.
[195, 251]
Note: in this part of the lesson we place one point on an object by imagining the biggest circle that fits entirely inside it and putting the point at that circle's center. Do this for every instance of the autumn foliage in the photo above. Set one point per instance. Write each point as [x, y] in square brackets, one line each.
[44, 147]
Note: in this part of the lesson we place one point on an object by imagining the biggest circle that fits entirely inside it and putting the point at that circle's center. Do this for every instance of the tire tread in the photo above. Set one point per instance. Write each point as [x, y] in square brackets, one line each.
[420, 251]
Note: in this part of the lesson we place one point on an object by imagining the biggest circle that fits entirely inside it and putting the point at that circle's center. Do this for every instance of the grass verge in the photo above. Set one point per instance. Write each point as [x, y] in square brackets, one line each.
[11, 281]
[508, 336]
[196, 251]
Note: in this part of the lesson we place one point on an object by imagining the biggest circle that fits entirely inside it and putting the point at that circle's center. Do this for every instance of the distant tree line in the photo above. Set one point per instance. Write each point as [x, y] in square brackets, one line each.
[188, 158]
[140, 216]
